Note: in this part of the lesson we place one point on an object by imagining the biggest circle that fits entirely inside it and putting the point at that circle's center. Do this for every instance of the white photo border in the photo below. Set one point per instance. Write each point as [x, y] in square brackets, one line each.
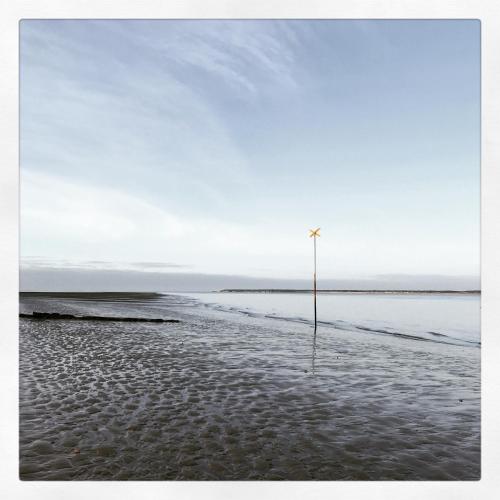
[487, 11]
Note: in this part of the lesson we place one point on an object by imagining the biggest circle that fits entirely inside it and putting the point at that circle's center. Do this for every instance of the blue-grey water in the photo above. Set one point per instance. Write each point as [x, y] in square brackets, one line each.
[446, 318]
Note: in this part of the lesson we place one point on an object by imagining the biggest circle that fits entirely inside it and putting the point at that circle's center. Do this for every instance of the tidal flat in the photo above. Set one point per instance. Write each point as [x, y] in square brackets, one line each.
[221, 396]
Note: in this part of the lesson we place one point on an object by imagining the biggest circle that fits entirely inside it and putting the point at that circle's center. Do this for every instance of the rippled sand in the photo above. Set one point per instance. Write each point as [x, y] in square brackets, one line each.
[220, 396]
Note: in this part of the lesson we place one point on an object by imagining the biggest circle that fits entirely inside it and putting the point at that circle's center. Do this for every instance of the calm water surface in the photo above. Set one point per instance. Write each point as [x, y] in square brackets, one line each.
[448, 318]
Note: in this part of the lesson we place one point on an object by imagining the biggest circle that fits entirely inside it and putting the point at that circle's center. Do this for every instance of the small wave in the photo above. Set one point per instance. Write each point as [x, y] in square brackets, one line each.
[437, 334]
[473, 342]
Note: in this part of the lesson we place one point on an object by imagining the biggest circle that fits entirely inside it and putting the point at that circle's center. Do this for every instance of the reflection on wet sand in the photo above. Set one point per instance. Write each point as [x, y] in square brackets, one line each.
[313, 357]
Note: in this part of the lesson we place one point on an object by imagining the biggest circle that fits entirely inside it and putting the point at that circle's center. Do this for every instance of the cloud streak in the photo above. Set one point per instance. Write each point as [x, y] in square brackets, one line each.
[38, 263]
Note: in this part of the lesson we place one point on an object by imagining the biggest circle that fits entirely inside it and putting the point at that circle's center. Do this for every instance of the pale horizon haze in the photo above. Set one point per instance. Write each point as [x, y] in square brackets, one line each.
[196, 154]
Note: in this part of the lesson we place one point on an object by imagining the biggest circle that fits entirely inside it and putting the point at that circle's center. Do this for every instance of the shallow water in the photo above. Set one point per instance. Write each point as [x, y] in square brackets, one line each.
[450, 318]
[232, 396]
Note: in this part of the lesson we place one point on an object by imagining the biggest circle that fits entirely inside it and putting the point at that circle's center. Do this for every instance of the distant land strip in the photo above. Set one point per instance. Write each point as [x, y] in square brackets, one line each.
[284, 290]
[43, 315]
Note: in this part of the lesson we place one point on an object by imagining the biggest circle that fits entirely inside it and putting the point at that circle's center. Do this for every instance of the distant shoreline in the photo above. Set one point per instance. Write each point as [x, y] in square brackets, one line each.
[154, 295]
[281, 290]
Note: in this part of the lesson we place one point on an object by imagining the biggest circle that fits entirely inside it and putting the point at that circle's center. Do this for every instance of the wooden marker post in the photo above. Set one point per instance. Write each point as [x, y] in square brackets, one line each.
[313, 233]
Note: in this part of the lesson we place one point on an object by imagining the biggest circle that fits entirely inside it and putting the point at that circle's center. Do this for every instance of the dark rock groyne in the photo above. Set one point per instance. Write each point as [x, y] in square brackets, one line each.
[44, 315]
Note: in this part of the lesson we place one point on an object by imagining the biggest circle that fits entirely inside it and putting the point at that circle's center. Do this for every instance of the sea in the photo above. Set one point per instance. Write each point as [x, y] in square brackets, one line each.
[450, 318]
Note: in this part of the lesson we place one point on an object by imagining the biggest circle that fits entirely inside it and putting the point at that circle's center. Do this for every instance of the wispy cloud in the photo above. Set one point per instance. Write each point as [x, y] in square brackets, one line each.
[141, 117]
[240, 54]
[37, 262]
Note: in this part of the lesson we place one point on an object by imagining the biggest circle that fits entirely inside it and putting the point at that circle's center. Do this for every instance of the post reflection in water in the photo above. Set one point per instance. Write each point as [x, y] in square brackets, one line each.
[313, 352]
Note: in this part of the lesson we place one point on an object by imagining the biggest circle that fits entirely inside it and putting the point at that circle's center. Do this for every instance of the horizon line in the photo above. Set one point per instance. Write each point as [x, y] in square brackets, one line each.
[257, 290]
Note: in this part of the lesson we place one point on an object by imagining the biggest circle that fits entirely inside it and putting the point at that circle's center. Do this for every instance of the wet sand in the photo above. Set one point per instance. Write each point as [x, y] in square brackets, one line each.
[221, 397]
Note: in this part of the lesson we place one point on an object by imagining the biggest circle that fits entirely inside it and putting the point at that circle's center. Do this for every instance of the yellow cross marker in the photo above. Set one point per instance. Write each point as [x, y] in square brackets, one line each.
[314, 232]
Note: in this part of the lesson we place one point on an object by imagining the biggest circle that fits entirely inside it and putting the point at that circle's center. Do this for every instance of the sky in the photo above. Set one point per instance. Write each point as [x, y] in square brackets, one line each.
[211, 147]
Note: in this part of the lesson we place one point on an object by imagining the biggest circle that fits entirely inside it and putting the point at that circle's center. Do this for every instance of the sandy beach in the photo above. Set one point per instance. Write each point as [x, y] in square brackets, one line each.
[216, 396]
